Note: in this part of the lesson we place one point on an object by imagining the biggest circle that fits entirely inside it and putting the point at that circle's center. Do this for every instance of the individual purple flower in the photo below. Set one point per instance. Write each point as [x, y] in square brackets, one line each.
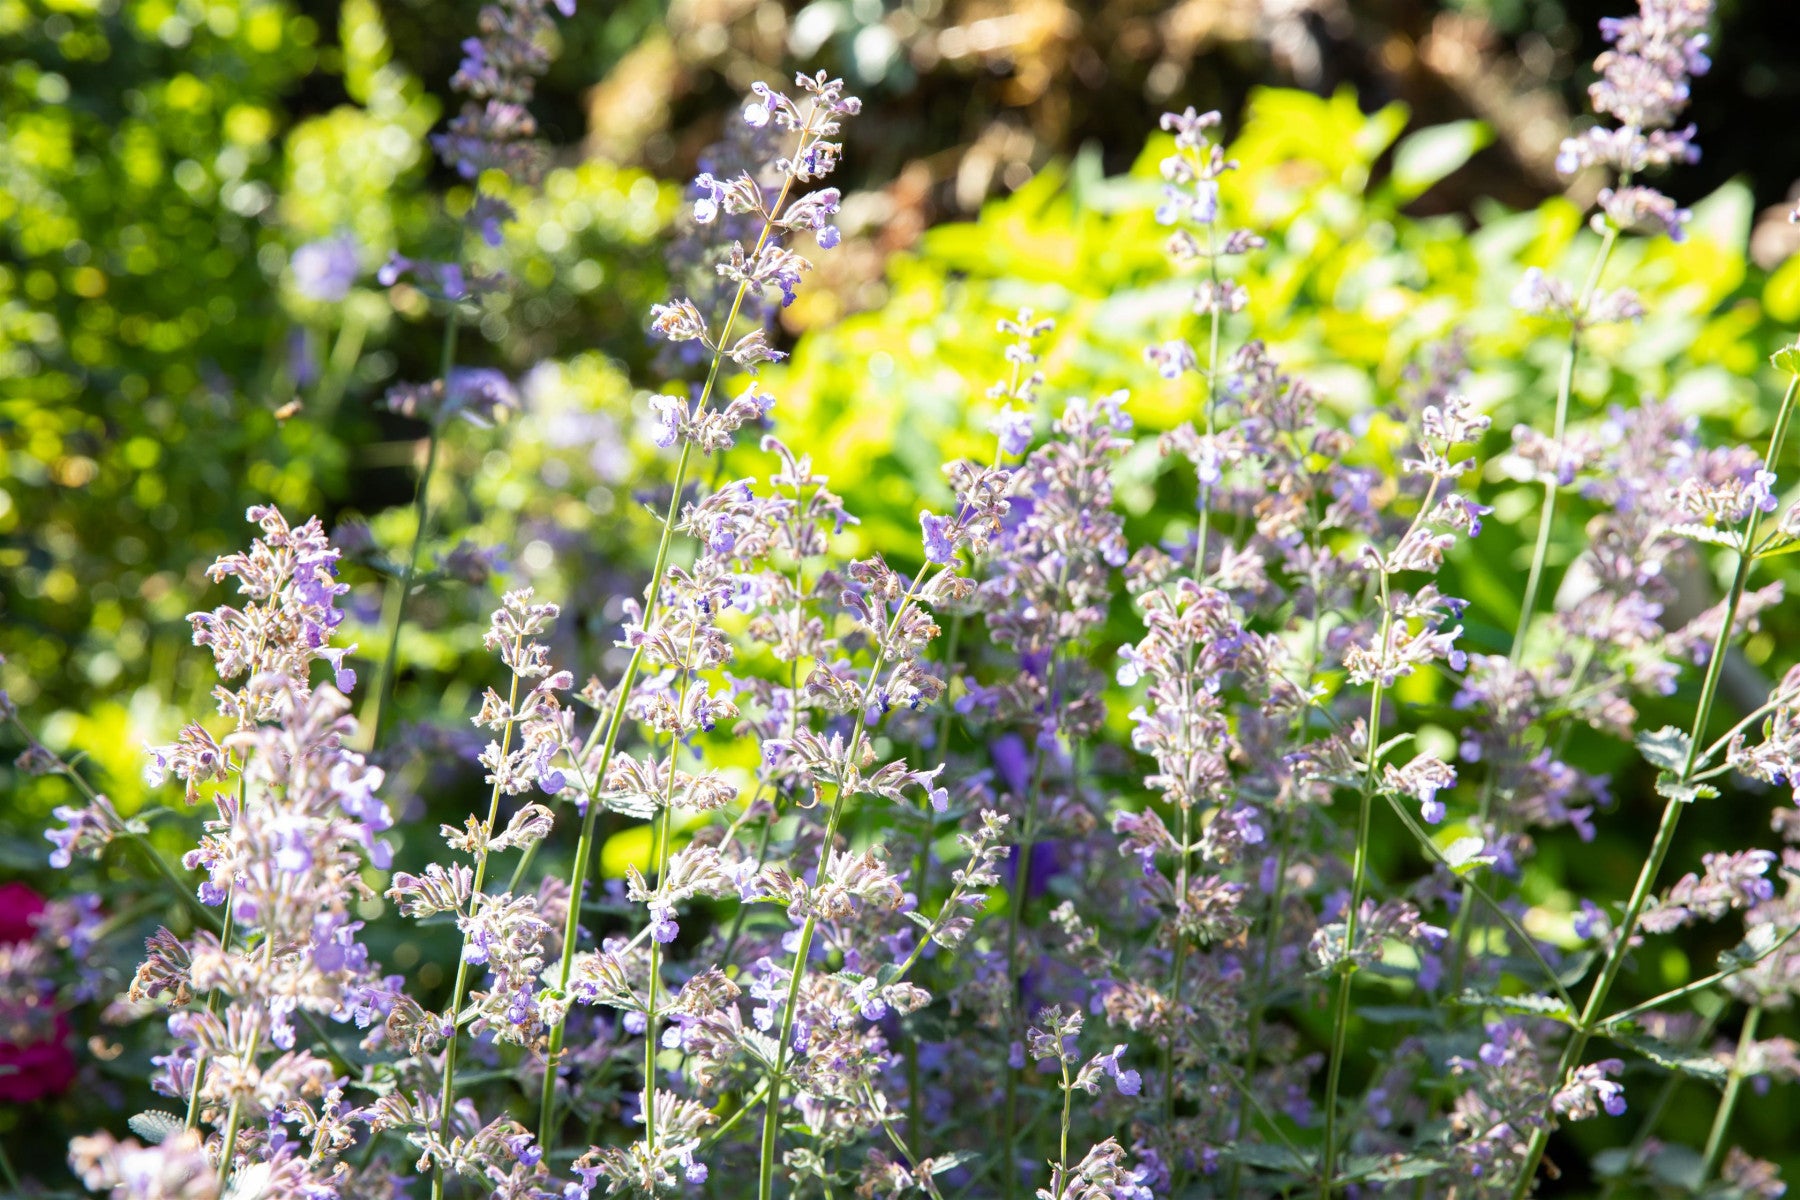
[1422, 779]
[1128, 1081]
[712, 193]
[1588, 1091]
[325, 270]
[1591, 921]
[1013, 429]
[343, 677]
[940, 544]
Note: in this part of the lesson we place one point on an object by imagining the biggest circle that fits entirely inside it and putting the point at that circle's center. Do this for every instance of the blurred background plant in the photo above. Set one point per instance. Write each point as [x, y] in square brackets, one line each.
[196, 198]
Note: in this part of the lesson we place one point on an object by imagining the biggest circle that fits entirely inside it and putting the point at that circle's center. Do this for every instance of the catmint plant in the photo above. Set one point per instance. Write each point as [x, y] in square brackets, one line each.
[494, 132]
[674, 631]
[1047, 849]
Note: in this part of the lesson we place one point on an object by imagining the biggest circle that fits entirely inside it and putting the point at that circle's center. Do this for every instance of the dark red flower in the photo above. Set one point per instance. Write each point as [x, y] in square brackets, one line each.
[30, 1072]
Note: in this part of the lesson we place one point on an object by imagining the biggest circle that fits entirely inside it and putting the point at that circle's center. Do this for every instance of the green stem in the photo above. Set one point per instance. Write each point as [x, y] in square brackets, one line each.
[660, 840]
[447, 1094]
[1507, 919]
[584, 848]
[203, 916]
[234, 1118]
[1068, 1090]
[1654, 1113]
[1671, 817]
[344, 353]
[1698, 985]
[1015, 915]
[1268, 1118]
[772, 1113]
[1359, 870]
[1272, 926]
[1178, 962]
[229, 1148]
[1540, 553]
[390, 663]
[729, 1123]
[1715, 1138]
[1540, 550]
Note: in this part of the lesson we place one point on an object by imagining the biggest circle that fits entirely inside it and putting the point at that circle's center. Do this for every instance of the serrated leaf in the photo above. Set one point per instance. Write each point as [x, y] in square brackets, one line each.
[1775, 548]
[1465, 855]
[1712, 535]
[1670, 787]
[1758, 941]
[1399, 739]
[1673, 1057]
[1390, 1168]
[1270, 1157]
[955, 1158]
[1787, 359]
[1667, 748]
[156, 1126]
[1530, 1004]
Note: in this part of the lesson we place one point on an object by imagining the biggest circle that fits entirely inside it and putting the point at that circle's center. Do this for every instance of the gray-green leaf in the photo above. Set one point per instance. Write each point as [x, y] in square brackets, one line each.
[155, 1126]
[1667, 748]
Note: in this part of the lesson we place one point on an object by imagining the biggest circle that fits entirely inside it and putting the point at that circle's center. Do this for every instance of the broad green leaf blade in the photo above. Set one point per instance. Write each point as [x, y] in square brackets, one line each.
[1435, 153]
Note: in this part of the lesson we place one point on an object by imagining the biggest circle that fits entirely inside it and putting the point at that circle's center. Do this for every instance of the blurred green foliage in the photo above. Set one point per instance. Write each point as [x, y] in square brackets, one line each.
[153, 349]
[161, 371]
[1355, 296]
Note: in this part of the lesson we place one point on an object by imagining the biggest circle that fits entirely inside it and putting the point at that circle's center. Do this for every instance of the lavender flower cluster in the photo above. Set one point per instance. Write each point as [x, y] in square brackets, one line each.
[909, 917]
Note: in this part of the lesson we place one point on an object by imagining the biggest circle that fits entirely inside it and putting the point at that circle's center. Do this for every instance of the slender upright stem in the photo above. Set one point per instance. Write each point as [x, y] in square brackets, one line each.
[1212, 393]
[447, 1092]
[584, 847]
[1068, 1090]
[390, 663]
[1540, 555]
[915, 1095]
[228, 1147]
[772, 1113]
[1015, 915]
[1272, 938]
[1178, 959]
[1540, 550]
[1734, 1083]
[192, 1119]
[660, 850]
[345, 350]
[659, 856]
[1671, 816]
[1652, 1115]
[235, 1115]
[1009, 1167]
[1359, 875]
[1359, 868]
